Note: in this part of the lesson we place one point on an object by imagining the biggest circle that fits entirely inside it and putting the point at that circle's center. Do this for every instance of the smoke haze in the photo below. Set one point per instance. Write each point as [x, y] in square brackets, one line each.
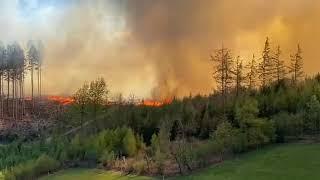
[155, 47]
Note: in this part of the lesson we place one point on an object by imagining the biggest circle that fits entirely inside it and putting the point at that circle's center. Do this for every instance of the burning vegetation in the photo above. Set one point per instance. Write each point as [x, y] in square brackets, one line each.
[61, 100]
[156, 103]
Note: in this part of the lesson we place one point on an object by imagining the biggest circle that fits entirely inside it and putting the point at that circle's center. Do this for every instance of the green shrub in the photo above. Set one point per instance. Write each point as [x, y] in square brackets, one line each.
[288, 125]
[107, 158]
[32, 169]
[129, 143]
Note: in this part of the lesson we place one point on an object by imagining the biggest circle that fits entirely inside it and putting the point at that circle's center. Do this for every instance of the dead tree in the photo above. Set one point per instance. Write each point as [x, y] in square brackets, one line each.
[238, 75]
[33, 59]
[251, 76]
[266, 67]
[222, 65]
[280, 71]
[2, 70]
[296, 67]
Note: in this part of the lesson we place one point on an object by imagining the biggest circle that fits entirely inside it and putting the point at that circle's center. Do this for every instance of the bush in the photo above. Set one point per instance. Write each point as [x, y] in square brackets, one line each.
[129, 143]
[288, 125]
[108, 158]
[32, 169]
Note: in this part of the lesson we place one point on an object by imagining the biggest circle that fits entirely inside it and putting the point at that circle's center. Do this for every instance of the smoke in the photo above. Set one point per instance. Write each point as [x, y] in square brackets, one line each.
[156, 48]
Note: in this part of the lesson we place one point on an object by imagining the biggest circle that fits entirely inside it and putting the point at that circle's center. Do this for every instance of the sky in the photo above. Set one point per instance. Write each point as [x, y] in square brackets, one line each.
[155, 48]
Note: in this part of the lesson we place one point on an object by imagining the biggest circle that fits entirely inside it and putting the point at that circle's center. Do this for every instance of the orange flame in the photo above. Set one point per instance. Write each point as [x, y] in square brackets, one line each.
[61, 100]
[156, 103]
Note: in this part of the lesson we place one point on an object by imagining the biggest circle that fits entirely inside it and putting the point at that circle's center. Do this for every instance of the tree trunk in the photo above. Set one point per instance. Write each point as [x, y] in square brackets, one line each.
[8, 94]
[32, 87]
[1, 110]
[13, 96]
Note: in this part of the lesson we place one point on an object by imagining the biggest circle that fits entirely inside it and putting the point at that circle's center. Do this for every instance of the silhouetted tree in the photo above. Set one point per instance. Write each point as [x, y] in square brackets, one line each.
[266, 65]
[296, 67]
[252, 73]
[33, 57]
[222, 74]
[2, 71]
[280, 71]
[238, 75]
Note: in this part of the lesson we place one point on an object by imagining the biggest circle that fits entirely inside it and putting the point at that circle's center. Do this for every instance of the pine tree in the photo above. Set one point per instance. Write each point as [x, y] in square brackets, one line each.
[252, 74]
[296, 67]
[222, 74]
[266, 68]
[33, 57]
[280, 71]
[2, 70]
[238, 75]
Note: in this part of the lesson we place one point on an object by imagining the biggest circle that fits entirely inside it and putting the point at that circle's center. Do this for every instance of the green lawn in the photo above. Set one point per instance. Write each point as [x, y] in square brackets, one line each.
[284, 162]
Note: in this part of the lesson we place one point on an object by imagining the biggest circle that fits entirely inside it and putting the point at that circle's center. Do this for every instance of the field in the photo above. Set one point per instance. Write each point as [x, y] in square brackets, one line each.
[283, 162]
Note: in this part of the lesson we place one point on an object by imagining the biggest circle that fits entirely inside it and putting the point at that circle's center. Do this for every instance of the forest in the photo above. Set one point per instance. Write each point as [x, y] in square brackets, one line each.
[16, 63]
[256, 103]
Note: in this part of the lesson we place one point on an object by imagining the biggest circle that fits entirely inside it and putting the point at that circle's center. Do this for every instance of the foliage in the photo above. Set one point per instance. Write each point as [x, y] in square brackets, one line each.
[313, 115]
[129, 143]
[32, 169]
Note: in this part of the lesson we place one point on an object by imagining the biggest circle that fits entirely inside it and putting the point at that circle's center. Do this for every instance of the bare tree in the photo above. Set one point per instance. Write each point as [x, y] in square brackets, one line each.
[252, 73]
[266, 67]
[33, 59]
[238, 75]
[223, 63]
[280, 71]
[296, 67]
[2, 71]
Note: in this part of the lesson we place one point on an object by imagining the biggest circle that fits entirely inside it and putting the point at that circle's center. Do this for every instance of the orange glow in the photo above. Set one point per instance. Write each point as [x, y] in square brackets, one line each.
[155, 103]
[61, 100]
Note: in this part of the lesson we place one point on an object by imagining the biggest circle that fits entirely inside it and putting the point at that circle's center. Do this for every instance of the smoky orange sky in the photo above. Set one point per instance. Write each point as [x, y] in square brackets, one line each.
[155, 47]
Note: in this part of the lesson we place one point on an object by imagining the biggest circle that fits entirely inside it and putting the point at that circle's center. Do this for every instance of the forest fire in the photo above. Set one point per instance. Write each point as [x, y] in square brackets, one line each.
[61, 100]
[156, 103]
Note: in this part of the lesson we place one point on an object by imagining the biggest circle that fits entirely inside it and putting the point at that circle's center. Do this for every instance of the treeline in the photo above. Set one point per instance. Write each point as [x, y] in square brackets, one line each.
[231, 74]
[15, 63]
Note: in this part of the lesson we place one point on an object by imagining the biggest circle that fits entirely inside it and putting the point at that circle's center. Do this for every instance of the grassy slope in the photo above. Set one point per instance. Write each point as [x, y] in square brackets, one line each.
[285, 162]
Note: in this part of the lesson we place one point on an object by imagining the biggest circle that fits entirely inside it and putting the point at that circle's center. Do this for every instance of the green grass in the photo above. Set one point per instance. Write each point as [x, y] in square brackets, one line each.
[91, 174]
[283, 162]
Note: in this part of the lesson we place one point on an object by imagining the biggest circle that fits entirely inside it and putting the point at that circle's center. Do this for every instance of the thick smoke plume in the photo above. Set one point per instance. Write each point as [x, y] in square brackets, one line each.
[156, 48]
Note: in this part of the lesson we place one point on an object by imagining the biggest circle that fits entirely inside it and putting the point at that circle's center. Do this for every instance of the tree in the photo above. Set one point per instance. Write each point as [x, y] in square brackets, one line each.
[266, 65]
[313, 114]
[40, 49]
[98, 93]
[252, 74]
[2, 71]
[223, 63]
[33, 57]
[16, 64]
[223, 137]
[279, 66]
[81, 100]
[296, 67]
[238, 75]
[129, 143]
